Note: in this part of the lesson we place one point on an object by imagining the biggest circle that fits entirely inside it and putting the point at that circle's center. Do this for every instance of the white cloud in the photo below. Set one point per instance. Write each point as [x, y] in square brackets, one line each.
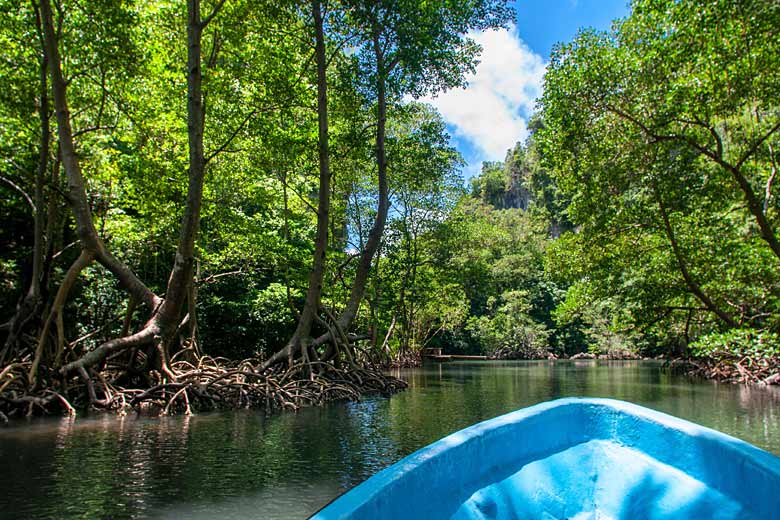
[491, 113]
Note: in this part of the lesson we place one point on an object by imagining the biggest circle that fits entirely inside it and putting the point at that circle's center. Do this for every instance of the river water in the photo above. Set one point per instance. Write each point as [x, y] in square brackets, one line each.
[243, 465]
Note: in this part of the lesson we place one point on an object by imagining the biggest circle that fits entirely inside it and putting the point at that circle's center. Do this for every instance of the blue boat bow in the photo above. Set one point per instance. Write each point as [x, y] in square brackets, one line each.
[574, 459]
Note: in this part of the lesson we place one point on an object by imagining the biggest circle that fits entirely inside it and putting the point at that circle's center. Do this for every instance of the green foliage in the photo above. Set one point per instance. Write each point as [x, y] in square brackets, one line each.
[626, 220]
[490, 185]
[738, 343]
[125, 63]
[662, 135]
[509, 326]
[491, 247]
[426, 45]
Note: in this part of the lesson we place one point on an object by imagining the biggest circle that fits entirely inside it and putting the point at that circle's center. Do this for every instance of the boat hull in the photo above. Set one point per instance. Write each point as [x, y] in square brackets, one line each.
[574, 458]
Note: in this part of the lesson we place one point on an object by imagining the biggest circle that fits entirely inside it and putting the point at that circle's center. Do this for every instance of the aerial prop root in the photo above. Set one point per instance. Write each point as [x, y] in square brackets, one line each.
[104, 379]
[240, 385]
[726, 367]
[206, 384]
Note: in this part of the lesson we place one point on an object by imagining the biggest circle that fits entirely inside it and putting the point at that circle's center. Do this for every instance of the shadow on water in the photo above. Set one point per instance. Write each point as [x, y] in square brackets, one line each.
[246, 465]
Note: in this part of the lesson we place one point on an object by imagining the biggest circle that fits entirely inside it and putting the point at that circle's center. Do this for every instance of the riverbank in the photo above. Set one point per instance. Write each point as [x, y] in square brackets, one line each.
[200, 384]
[725, 368]
[539, 354]
[218, 384]
[730, 369]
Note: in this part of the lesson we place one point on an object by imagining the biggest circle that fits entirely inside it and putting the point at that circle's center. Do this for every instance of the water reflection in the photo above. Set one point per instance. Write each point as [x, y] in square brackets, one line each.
[245, 465]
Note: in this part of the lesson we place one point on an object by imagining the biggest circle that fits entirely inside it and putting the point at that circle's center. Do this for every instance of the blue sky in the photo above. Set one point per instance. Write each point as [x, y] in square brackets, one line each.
[542, 23]
[490, 115]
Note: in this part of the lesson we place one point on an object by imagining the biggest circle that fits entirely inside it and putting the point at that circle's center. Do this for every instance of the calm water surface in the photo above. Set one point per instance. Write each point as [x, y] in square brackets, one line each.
[245, 465]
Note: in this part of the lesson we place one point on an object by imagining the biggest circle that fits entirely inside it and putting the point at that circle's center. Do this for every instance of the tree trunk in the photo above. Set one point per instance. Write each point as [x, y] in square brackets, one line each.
[54, 224]
[91, 244]
[693, 286]
[375, 235]
[344, 321]
[181, 274]
[165, 313]
[301, 338]
[30, 304]
[314, 292]
[76, 192]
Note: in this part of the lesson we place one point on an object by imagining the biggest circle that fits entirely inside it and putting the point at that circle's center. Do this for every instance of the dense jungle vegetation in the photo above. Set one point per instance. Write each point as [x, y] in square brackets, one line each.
[241, 203]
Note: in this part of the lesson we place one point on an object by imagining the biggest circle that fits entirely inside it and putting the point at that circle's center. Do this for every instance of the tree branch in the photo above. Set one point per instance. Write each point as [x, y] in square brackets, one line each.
[205, 21]
[754, 205]
[212, 278]
[303, 199]
[755, 146]
[772, 175]
[230, 138]
[20, 190]
[693, 286]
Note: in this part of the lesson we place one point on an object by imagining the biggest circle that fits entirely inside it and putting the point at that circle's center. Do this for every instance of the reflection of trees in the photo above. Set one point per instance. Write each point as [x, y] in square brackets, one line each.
[131, 467]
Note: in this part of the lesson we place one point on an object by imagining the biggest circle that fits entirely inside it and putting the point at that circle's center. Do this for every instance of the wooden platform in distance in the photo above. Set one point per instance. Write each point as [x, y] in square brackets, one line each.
[453, 357]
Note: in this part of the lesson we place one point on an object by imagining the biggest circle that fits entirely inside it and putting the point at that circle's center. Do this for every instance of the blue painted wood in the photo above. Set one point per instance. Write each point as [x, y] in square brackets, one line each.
[574, 458]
